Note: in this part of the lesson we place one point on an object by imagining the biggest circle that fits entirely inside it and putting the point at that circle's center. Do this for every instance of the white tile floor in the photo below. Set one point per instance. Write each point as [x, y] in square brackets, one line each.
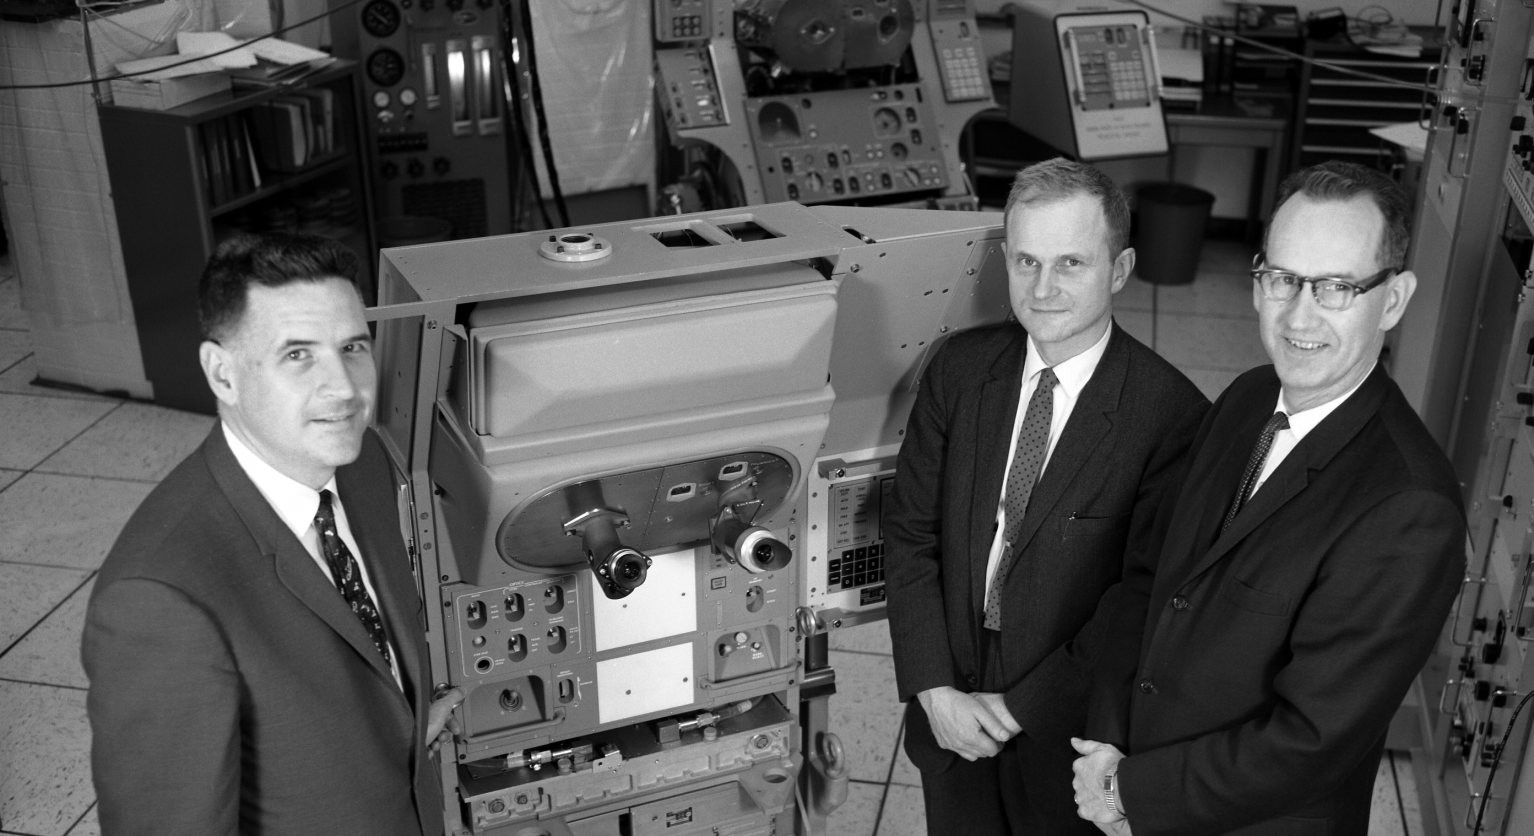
[73, 466]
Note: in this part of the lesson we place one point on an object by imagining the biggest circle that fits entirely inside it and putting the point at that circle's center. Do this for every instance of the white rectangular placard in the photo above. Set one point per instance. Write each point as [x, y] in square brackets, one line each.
[644, 682]
[665, 605]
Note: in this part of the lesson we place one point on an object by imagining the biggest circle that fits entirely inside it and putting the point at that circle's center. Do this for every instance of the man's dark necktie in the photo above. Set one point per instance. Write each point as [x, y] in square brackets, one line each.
[1279, 421]
[343, 567]
[1027, 461]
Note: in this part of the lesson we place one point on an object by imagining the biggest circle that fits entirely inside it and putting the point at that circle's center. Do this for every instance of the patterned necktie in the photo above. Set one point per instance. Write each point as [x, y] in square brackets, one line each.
[1027, 461]
[1279, 421]
[343, 567]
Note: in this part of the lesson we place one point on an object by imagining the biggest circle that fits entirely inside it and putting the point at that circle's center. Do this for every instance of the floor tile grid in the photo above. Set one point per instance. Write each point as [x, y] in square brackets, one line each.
[85, 823]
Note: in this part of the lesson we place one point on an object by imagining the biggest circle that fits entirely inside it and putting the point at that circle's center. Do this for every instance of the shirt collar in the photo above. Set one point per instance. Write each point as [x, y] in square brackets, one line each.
[1074, 373]
[294, 502]
[1301, 423]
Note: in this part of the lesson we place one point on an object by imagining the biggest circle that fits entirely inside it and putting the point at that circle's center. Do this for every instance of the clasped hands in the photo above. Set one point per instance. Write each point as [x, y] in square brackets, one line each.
[1097, 760]
[972, 726]
[975, 726]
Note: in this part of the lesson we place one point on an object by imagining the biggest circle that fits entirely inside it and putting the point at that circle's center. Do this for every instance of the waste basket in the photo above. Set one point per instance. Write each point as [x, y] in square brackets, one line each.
[1171, 232]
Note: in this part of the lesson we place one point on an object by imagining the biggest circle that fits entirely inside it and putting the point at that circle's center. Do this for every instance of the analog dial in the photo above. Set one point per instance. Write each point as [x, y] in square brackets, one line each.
[407, 97]
[380, 18]
[386, 67]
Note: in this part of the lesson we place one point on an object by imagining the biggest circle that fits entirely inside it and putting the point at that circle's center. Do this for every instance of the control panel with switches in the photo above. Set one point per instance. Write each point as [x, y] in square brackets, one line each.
[435, 109]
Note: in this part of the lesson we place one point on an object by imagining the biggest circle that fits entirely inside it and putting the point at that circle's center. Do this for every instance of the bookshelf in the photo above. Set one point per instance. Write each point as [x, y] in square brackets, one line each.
[186, 178]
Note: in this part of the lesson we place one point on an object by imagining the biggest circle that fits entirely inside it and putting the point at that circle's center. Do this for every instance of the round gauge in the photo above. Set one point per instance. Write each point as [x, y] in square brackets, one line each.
[386, 67]
[898, 150]
[380, 18]
[407, 96]
[381, 98]
[886, 122]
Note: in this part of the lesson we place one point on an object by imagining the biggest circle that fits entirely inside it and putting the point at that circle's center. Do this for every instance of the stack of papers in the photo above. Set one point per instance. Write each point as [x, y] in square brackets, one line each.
[265, 61]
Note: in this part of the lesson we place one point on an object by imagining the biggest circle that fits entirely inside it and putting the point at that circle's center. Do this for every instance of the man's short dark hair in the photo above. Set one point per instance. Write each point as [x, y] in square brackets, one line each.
[1341, 181]
[1061, 179]
[270, 260]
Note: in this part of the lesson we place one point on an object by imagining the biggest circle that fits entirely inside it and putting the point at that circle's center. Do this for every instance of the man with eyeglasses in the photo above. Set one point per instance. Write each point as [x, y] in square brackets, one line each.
[1307, 563]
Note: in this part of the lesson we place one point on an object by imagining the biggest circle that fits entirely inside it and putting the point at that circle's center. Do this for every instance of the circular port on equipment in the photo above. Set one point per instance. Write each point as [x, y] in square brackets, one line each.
[574, 247]
[483, 664]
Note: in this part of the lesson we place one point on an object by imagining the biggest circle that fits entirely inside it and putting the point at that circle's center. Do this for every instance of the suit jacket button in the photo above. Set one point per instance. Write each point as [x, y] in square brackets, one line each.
[971, 680]
[1147, 687]
[1180, 603]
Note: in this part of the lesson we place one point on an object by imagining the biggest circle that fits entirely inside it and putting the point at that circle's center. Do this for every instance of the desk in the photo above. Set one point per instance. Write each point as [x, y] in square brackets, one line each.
[1227, 122]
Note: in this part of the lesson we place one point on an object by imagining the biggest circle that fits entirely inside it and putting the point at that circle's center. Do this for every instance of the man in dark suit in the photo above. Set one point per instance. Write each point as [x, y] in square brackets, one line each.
[1310, 556]
[1035, 453]
[255, 642]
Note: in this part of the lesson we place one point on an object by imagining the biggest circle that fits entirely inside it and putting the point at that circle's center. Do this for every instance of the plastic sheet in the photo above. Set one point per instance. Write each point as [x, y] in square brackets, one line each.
[594, 60]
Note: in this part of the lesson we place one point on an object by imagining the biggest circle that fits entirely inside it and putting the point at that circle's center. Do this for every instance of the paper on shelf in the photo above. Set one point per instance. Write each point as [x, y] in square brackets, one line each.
[153, 65]
[1411, 136]
[1181, 64]
[279, 51]
[203, 43]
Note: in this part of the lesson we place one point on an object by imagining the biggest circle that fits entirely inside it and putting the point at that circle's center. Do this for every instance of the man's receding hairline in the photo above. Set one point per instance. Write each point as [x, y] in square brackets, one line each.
[232, 327]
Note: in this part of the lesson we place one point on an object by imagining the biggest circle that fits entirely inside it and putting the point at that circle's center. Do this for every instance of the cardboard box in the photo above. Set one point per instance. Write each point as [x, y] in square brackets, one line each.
[167, 93]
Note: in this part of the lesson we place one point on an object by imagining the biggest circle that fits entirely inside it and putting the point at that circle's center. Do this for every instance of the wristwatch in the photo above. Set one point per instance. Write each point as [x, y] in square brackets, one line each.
[1110, 784]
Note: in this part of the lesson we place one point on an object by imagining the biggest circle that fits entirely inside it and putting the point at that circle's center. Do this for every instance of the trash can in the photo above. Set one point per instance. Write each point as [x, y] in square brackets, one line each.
[1171, 232]
[408, 230]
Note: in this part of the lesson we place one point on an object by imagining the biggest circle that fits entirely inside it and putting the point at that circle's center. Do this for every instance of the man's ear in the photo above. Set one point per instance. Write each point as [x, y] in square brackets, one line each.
[1398, 292]
[1122, 267]
[219, 368]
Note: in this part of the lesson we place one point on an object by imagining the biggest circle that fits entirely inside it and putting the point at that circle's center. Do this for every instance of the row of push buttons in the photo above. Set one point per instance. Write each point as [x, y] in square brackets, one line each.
[961, 69]
[856, 567]
[687, 26]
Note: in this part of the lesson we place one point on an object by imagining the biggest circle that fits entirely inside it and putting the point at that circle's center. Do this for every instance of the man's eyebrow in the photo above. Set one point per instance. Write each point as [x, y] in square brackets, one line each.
[293, 342]
[363, 337]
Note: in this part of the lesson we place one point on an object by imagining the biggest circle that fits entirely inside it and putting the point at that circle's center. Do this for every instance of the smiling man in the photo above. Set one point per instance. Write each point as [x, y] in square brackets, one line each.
[255, 639]
[1310, 556]
[1035, 456]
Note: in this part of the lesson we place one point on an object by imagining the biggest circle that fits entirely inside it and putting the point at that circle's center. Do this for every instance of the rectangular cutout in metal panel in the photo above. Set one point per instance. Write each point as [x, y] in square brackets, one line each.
[487, 87]
[458, 87]
[644, 683]
[432, 86]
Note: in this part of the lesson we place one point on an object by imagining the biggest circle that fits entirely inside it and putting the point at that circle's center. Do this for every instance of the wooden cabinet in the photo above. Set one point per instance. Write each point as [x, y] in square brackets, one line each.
[184, 179]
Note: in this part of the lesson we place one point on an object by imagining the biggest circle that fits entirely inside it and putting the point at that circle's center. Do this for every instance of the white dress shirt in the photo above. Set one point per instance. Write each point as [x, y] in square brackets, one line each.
[1072, 375]
[1300, 425]
[296, 504]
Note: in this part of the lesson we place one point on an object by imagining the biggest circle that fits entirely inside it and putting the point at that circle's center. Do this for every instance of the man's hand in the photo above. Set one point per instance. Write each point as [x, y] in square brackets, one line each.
[998, 708]
[1115, 828]
[1098, 760]
[962, 724]
[441, 722]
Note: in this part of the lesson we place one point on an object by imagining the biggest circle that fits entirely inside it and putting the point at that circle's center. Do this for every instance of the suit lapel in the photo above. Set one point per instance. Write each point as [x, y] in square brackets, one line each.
[291, 561]
[375, 532]
[1292, 475]
[993, 432]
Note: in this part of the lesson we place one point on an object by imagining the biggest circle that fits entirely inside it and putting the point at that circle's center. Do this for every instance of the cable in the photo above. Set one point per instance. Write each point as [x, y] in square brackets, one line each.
[1492, 774]
[192, 60]
[536, 89]
[518, 113]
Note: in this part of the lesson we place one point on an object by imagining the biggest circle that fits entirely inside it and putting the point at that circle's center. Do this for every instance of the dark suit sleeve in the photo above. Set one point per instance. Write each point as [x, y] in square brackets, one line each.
[164, 712]
[1359, 637]
[1043, 701]
[913, 549]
